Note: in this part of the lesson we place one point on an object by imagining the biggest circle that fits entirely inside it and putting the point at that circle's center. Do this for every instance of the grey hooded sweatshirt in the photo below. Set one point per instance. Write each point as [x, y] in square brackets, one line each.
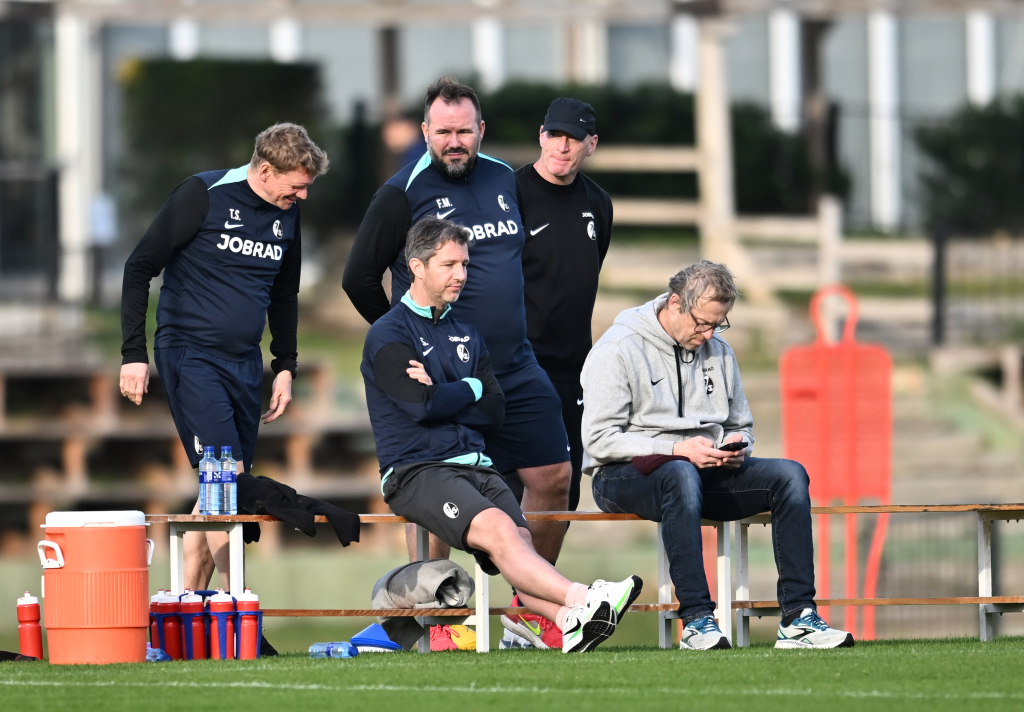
[641, 395]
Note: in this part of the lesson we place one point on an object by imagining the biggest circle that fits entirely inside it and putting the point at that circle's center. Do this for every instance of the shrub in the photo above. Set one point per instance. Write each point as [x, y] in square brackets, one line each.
[975, 177]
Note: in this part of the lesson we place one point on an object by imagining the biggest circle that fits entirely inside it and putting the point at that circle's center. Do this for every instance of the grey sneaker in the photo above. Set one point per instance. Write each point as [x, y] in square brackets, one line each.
[587, 626]
[511, 641]
[619, 595]
[703, 634]
[811, 631]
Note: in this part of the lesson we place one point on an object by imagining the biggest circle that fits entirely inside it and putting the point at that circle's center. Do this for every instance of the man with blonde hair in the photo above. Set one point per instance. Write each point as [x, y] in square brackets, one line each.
[229, 245]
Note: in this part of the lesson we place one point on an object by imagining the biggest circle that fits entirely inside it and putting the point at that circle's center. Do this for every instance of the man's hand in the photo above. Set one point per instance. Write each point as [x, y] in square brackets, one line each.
[134, 381]
[418, 372]
[702, 453]
[280, 396]
[733, 460]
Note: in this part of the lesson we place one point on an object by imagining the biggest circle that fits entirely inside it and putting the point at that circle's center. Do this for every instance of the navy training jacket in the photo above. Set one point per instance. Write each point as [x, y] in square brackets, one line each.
[486, 202]
[217, 289]
[416, 423]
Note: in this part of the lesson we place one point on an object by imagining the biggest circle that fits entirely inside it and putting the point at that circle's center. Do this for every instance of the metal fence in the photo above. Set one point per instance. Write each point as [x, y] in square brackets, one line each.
[978, 290]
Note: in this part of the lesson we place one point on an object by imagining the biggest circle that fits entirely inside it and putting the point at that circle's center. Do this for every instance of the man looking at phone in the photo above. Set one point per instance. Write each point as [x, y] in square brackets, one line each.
[667, 434]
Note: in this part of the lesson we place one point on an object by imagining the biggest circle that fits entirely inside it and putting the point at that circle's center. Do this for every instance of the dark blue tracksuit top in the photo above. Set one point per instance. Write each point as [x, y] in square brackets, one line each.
[487, 204]
[416, 423]
[230, 259]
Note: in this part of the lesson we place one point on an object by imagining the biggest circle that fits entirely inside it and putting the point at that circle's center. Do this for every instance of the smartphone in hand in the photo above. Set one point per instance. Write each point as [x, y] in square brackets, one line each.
[734, 447]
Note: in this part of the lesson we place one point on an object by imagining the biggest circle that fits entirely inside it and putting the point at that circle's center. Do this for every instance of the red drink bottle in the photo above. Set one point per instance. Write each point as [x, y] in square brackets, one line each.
[222, 603]
[249, 625]
[193, 604]
[30, 633]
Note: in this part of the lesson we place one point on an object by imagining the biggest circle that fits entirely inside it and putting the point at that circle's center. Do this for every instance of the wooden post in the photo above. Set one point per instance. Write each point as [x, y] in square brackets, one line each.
[724, 611]
[719, 241]
[1010, 358]
[984, 575]
[742, 583]
[830, 236]
[665, 639]
[73, 453]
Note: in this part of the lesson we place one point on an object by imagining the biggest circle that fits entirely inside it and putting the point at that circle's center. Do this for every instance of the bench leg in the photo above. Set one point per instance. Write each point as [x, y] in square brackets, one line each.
[177, 559]
[236, 558]
[483, 605]
[984, 575]
[665, 639]
[742, 583]
[422, 554]
[724, 611]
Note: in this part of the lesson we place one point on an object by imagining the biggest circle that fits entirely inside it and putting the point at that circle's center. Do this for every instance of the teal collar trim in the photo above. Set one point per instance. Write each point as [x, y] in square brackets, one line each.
[421, 166]
[424, 312]
[235, 175]
[496, 160]
[477, 459]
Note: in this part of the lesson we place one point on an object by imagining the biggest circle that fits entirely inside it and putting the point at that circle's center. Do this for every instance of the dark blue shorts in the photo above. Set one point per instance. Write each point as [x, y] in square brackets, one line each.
[533, 434]
[213, 401]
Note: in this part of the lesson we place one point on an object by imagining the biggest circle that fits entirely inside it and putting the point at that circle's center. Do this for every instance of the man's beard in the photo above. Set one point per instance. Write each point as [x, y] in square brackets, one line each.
[454, 170]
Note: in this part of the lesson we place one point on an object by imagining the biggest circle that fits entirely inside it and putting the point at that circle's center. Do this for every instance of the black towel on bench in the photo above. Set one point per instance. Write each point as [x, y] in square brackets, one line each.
[262, 495]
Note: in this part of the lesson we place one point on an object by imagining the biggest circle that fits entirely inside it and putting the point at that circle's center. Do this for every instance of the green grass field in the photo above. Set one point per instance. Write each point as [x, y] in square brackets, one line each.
[936, 675]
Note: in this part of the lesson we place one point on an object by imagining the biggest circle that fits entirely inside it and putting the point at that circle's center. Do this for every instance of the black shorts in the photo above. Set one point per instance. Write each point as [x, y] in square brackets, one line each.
[213, 401]
[443, 498]
[570, 393]
[533, 434]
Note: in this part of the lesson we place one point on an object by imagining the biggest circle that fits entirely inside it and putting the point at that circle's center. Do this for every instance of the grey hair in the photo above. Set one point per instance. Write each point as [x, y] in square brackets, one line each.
[704, 279]
[429, 235]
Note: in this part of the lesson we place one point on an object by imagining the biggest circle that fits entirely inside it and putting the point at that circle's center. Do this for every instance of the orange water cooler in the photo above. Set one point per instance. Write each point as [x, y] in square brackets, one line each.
[96, 586]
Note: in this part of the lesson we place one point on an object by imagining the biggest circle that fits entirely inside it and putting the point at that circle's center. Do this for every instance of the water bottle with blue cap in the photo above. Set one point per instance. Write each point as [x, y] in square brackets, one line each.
[334, 651]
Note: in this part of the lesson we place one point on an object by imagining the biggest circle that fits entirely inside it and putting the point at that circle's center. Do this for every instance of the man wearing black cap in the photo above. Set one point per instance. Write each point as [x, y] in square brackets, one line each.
[568, 222]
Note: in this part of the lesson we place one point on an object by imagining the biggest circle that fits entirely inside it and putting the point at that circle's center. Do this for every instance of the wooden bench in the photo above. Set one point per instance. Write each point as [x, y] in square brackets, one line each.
[730, 603]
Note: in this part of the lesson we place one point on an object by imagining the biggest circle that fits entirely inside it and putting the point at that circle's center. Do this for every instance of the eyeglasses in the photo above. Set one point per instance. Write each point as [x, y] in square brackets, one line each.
[701, 328]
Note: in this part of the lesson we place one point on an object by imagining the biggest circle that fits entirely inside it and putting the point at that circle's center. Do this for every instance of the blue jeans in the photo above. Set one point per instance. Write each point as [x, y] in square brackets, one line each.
[678, 494]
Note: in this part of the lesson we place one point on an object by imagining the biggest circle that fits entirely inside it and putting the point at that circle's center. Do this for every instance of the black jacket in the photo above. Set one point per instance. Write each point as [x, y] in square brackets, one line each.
[262, 495]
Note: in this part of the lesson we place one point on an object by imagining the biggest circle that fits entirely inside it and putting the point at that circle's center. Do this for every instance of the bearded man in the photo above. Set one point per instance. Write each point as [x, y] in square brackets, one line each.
[454, 181]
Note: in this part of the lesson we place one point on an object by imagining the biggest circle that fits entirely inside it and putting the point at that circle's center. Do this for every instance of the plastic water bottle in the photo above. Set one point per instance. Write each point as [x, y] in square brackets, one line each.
[216, 495]
[207, 466]
[229, 482]
[333, 650]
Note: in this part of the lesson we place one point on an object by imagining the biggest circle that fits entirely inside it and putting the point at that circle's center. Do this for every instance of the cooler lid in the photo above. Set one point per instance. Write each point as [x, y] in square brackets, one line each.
[132, 518]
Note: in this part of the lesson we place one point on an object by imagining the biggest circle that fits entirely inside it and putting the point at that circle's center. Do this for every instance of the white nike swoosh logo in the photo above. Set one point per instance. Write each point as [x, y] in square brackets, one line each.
[442, 216]
[428, 351]
[229, 226]
[534, 232]
[579, 402]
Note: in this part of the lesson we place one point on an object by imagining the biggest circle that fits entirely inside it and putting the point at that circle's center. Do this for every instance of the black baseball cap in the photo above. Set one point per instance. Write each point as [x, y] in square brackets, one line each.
[572, 116]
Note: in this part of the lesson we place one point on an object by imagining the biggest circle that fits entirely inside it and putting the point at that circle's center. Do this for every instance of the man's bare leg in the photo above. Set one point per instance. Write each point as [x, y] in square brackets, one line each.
[546, 489]
[542, 589]
[203, 552]
[438, 549]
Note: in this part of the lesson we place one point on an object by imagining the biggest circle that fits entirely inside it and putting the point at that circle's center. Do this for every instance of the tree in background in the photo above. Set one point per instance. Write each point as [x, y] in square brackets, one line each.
[182, 118]
[975, 181]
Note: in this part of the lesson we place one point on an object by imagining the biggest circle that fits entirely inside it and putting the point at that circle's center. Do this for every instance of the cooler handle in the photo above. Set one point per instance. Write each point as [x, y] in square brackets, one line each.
[50, 563]
[150, 547]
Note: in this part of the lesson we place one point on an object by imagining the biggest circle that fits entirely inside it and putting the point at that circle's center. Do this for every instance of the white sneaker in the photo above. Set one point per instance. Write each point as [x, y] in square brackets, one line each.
[811, 631]
[619, 595]
[587, 626]
[511, 641]
[703, 634]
